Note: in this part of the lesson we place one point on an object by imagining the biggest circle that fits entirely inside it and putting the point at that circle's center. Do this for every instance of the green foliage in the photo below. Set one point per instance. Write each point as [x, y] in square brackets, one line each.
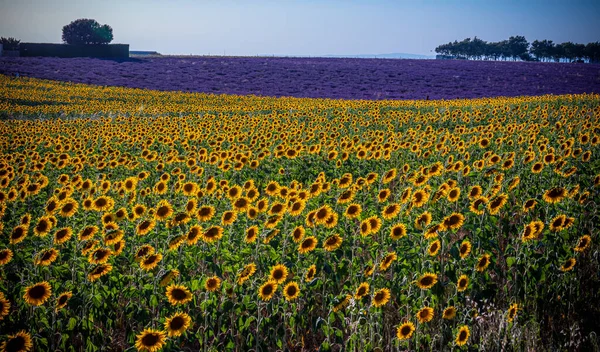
[86, 31]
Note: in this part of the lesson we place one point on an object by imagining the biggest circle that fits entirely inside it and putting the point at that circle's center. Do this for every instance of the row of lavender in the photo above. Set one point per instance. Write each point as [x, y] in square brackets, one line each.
[319, 77]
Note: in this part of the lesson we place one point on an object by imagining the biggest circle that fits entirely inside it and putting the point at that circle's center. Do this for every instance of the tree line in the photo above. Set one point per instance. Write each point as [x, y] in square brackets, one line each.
[518, 48]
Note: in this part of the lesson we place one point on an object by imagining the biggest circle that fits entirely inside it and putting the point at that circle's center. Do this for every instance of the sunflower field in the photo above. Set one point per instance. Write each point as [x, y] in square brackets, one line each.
[146, 220]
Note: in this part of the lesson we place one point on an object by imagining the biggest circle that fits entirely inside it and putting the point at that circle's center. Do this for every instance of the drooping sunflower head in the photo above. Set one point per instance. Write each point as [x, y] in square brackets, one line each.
[99, 271]
[246, 273]
[434, 248]
[387, 261]
[63, 299]
[568, 265]
[310, 273]
[512, 312]
[5, 256]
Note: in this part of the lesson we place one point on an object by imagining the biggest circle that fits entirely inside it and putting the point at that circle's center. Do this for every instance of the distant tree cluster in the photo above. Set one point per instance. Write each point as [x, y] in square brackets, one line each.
[86, 31]
[518, 48]
[10, 43]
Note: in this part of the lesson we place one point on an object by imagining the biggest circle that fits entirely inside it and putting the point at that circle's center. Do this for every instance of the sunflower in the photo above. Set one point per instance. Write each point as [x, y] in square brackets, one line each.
[454, 221]
[332, 242]
[205, 213]
[398, 231]
[462, 283]
[432, 231]
[177, 324]
[453, 194]
[63, 299]
[46, 257]
[5, 256]
[322, 214]
[103, 203]
[387, 261]
[310, 273]
[4, 306]
[405, 331]
[99, 256]
[251, 234]
[381, 297]
[18, 234]
[362, 291]
[193, 235]
[144, 227]
[423, 220]
[68, 208]
[583, 244]
[555, 195]
[434, 248]
[483, 262]
[478, 205]
[568, 265]
[291, 291]
[278, 273]
[465, 249]
[342, 303]
[164, 210]
[150, 261]
[87, 233]
[38, 294]
[383, 195]
[558, 223]
[175, 242]
[405, 196]
[298, 233]
[43, 226]
[212, 283]
[212, 234]
[99, 271]
[346, 196]
[308, 244]
[267, 290]
[246, 273]
[537, 168]
[297, 208]
[425, 314]
[512, 312]
[389, 176]
[529, 205]
[462, 336]
[449, 313]
[419, 198]
[391, 211]
[497, 203]
[150, 340]
[178, 294]
[19, 342]
[168, 277]
[427, 280]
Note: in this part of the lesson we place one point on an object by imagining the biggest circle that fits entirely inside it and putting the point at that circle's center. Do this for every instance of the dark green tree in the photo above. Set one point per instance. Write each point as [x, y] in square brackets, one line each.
[86, 31]
[10, 43]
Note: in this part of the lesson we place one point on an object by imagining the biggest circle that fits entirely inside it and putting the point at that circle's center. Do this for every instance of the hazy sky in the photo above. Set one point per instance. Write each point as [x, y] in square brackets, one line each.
[310, 27]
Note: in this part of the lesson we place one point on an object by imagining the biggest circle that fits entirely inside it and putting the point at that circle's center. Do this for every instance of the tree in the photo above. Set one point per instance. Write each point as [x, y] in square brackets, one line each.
[10, 43]
[518, 46]
[87, 31]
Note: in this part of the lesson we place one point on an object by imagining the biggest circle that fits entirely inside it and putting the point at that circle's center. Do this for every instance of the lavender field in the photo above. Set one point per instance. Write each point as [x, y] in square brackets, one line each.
[320, 77]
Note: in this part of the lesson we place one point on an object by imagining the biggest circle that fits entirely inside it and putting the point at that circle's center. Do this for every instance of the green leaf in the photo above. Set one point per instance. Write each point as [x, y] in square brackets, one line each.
[72, 324]
[510, 261]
